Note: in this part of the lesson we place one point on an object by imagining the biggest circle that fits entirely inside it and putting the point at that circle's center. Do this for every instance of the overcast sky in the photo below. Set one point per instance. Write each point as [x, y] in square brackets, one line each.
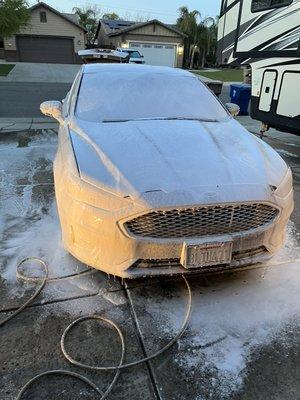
[164, 10]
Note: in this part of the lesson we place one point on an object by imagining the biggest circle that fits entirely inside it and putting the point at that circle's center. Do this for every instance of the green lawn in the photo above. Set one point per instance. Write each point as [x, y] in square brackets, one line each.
[5, 69]
[225, 75]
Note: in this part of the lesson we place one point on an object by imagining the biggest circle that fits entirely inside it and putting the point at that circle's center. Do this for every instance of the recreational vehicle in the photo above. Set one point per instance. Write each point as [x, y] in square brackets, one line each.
[265, 34]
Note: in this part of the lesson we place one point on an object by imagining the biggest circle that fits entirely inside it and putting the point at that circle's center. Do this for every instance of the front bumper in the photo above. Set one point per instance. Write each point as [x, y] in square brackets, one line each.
[94, 237]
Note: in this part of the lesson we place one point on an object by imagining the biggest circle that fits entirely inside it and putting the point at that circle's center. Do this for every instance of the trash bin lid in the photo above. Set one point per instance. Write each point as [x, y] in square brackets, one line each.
[240, 86]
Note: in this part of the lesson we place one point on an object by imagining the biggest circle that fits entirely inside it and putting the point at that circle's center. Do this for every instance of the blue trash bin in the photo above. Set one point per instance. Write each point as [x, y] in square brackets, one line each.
[240, 94]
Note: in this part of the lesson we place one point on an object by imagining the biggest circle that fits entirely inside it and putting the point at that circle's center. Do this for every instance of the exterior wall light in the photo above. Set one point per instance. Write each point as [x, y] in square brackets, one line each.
[180, 50]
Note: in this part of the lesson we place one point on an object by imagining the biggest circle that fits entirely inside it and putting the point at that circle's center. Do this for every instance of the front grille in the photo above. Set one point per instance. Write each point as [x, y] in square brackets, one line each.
[202, 220]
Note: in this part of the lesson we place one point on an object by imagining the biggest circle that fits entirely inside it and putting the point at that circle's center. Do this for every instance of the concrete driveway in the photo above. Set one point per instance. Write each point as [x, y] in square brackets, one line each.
[241, 343]
[41, 72]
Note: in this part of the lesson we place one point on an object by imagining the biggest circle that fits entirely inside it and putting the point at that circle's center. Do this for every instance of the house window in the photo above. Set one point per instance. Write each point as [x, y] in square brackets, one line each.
[261, 5]
[43, 16]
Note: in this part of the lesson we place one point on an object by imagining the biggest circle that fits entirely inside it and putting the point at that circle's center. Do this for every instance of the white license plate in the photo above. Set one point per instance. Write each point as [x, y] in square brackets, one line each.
[198, 255]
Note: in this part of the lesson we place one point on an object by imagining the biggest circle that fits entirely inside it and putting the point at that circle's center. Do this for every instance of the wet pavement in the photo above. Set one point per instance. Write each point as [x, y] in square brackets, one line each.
[241, 342]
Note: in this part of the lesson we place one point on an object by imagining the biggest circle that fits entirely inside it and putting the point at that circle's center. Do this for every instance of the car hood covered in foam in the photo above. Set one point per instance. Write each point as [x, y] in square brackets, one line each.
[171, 161]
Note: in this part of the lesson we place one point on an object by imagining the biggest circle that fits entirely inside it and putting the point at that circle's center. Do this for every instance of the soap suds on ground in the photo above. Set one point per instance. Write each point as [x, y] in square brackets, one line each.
[247, 311]
[240, 313]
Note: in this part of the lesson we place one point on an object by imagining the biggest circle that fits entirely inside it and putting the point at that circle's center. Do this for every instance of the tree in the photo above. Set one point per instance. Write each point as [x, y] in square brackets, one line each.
[187, 22]
[202, 37]
[206, 40]
[112, 15]
[87, 18]
[14, 14]
[211, 56]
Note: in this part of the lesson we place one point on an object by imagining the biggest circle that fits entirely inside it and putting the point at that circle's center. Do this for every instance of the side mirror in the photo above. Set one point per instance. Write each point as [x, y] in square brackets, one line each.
[233, 109]
[52, 109]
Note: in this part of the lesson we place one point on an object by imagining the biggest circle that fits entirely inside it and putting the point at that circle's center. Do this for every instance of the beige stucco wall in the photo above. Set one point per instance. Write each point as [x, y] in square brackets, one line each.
[55, 26]
[148, 33]
[155, 29]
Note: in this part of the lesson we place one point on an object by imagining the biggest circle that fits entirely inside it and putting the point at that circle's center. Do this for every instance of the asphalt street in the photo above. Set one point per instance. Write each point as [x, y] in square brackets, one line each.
[23, 99]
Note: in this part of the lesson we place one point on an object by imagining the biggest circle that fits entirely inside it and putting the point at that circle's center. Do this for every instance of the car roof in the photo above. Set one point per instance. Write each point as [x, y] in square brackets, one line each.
[134, 68]
[126, 49]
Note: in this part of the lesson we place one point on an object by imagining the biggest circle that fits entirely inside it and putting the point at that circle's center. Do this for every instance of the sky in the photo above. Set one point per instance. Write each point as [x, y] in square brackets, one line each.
[164, 10]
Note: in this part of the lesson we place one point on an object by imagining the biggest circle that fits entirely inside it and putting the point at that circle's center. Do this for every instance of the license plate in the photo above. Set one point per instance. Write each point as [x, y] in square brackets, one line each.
[198, 255]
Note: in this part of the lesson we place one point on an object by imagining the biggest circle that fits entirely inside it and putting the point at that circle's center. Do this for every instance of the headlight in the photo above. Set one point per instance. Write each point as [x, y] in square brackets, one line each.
[286, 185]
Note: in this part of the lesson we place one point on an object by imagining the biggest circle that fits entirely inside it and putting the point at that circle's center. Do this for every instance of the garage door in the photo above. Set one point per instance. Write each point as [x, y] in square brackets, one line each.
[46, 49]
[156, 53]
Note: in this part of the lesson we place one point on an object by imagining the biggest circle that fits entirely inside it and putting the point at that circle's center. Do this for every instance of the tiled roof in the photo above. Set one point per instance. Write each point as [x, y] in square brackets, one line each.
[115, 25]
[71, 17]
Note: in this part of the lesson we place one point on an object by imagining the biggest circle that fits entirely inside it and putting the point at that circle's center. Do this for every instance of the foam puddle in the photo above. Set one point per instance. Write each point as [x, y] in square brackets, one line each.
[247, 311]
[291, 249]
[42, 238]
[250, 313]
[286, 153]
[38, 234]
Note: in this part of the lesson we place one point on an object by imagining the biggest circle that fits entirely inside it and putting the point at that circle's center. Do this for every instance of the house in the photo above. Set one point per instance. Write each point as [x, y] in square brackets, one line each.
[50, 37]
[159, 43]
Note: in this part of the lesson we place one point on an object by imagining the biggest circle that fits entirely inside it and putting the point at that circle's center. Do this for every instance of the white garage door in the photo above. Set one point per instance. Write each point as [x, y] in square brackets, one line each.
[156, 53]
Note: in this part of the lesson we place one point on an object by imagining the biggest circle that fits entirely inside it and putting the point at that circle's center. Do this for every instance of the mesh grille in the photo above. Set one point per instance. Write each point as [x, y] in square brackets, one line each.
[202, 220]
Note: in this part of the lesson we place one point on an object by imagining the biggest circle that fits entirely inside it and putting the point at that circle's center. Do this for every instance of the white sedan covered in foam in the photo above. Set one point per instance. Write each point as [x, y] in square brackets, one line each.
[153, 176]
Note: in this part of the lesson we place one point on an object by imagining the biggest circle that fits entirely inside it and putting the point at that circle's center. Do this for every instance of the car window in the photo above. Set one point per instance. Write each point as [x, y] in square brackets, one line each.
[111, 96]
[71, 97]
[134, 54]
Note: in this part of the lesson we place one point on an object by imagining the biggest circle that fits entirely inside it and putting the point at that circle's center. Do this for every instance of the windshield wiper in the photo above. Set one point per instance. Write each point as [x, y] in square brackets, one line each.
[162, 119]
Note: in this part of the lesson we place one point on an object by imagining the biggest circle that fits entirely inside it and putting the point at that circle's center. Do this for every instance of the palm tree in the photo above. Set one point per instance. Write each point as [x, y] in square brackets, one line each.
[206, 40]
[202, 36]
[187, 22]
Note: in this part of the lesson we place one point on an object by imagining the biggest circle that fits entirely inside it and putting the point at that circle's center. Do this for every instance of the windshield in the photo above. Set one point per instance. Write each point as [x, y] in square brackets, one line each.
[134, 54]
[123, 96]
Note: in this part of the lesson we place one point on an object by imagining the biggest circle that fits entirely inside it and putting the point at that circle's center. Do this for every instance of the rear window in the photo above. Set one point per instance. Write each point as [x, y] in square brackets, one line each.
[116, 96]
[134, 54]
